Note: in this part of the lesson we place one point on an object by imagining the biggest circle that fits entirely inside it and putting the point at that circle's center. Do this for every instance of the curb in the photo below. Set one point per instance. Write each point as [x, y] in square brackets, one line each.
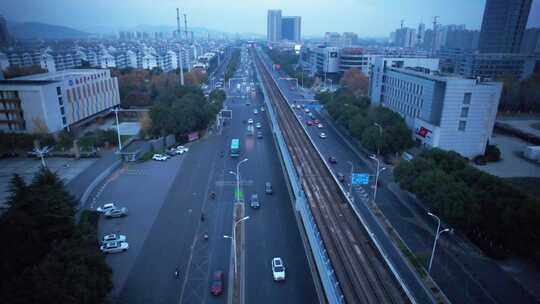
[99, 179]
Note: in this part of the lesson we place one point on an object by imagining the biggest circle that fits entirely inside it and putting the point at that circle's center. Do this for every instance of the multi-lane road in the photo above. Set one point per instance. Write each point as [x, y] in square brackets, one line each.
[165, 228]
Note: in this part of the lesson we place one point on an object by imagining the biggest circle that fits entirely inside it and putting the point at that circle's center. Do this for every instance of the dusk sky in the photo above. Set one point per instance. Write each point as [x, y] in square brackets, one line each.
[366, 17]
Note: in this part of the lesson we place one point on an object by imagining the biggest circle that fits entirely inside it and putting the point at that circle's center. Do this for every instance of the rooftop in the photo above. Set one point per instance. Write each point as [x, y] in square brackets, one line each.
[435, 75]
[56, 76]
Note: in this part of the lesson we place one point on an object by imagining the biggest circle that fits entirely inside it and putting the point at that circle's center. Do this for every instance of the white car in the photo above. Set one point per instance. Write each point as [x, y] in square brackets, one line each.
[258, 125]
[262, 109]
[159, 157]
[278, 269]
[306, 110]
[105, 208]
[114, 247]
[113, 238]
[322, 135]
[320, 126]
[255, 111]
[250, 121]
[116, 212]
[181, 150]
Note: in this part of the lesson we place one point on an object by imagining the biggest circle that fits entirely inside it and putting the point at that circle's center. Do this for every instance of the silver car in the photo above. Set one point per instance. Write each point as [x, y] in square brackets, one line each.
[114, 247]
[116, 212]
[113, 238]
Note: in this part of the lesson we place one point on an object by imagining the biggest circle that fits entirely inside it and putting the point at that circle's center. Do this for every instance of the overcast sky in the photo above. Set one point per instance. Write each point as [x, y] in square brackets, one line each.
[366, 17]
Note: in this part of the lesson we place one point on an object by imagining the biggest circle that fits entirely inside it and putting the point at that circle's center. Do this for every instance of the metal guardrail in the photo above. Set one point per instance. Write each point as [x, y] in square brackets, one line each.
[326, 272]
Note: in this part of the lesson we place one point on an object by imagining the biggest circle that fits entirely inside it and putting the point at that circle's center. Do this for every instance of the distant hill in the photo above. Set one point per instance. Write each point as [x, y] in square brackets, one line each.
[36, 30]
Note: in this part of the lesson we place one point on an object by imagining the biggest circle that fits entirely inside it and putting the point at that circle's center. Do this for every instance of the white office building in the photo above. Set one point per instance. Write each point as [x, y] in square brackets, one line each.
[56, 100]
[444, 111]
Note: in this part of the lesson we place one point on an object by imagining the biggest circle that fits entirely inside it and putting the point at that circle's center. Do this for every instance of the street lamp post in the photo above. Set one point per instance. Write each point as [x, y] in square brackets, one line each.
[233, 238]
[379, 170]
[41, 152]
[352, 172]
[237, 174]
[118, 130]
[437, 235]
[380, 136]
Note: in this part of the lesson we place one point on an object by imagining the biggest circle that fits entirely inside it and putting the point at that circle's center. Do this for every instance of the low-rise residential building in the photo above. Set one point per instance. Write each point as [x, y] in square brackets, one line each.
[56, 100]
[444, 111]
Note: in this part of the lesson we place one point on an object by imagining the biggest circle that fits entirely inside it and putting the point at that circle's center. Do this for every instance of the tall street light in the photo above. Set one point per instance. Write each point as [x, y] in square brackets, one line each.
[237, 174]
[350, 185]
[115, 110]
[233, 238]
[41, 153]
[379, 170]
[437, 235]
[380, 136]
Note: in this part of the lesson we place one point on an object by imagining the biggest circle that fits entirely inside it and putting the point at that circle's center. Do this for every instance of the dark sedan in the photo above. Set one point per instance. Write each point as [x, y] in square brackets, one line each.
[216, 287]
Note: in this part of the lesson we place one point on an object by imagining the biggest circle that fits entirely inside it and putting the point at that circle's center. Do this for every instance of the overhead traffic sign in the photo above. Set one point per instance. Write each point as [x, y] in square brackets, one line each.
[360, 179]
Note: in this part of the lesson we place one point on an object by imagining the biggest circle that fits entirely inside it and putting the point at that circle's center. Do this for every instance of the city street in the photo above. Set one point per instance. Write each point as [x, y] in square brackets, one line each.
[165, 227]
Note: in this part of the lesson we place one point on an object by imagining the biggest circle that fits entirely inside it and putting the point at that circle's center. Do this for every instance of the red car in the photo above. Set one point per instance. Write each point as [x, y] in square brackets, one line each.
[216, 287]
[309, 122]
[316, 122]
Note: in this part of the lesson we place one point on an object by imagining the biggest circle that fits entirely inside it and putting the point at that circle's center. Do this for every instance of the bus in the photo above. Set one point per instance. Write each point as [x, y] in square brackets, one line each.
[235, 147]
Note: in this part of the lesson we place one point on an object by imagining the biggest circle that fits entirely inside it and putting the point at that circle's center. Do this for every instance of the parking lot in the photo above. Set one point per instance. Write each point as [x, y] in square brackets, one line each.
[66, 168]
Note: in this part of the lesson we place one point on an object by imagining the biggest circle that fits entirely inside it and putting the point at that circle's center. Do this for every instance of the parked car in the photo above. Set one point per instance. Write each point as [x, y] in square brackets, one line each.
[306, 110]
[254, 203]
[332, 160]
[258, 125]
[316, 121]
[159, 157]
[171, 152]
[216, 286]
[322, 135]
[320, 126]
[259, 135]
[106, 207]
[255, 111]
[262, 109]
[309, 122]
[116, 212]
[113, 237]
[341, 177]
[278, 269]
[114, 247]
[250, 121]
[268, 188]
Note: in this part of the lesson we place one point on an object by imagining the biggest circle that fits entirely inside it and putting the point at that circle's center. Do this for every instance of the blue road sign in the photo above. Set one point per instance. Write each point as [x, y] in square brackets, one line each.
[360, 179]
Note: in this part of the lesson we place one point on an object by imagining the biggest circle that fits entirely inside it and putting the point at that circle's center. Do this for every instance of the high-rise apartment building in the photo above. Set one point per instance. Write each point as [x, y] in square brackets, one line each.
[503, 25]
[4, 34]
[273, 26]
[290, 28]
